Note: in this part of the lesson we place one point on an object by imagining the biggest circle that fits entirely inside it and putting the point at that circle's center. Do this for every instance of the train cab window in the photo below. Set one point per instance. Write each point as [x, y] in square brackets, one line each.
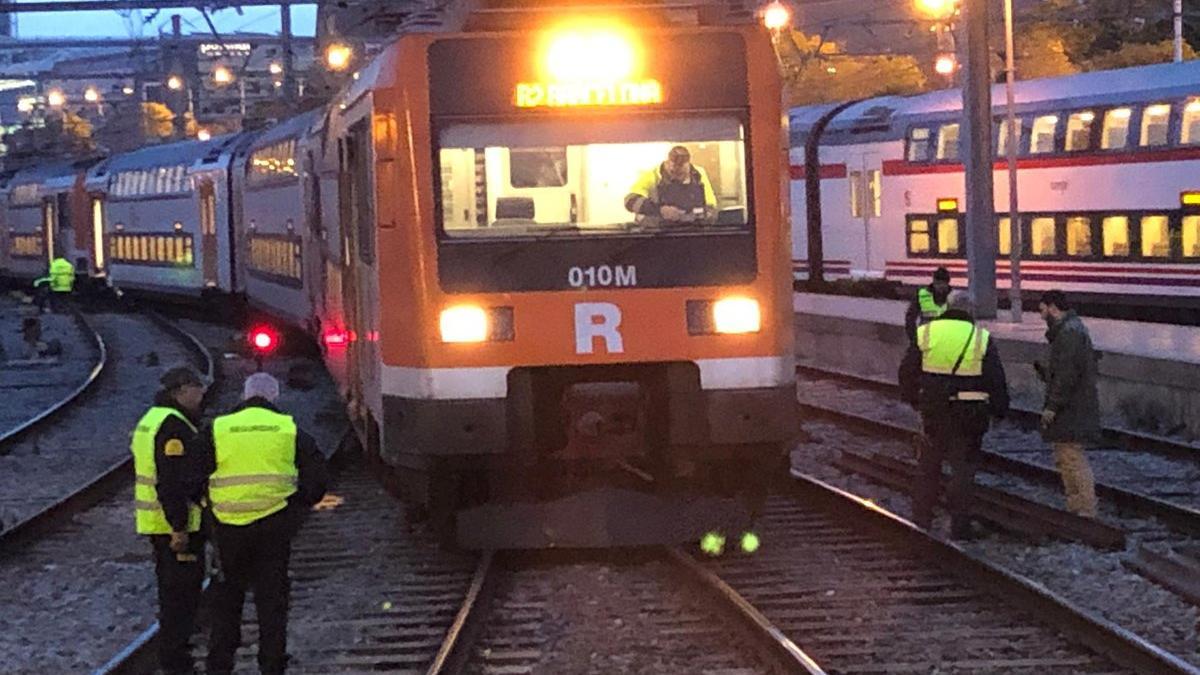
[1079, 130]
[1042, 237]
[1115, 232]
[1115, 134]
[918, 236]
[1002, 136]
[1004, 235]
[1156, 240]
[947, 235]
[1155, 123]
[947, 142]
[1079, 236]
[555, 177]
[918, 144]
[1042, 135]
[1191, 236]
[1189, 132]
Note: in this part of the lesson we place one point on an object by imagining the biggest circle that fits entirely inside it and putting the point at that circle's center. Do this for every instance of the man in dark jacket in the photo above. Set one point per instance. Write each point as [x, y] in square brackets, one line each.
[262, 473]
[954, 376]
[1071, 414]
[928, 304]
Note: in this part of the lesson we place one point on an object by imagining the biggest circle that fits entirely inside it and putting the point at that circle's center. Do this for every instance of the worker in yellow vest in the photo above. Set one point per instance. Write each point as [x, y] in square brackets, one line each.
[59, 281]
[954, 376]
[263, 472]
[929, 303]
[164, 443]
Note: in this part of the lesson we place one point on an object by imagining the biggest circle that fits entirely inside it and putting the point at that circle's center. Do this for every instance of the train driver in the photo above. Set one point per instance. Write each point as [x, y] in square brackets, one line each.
[675, 191]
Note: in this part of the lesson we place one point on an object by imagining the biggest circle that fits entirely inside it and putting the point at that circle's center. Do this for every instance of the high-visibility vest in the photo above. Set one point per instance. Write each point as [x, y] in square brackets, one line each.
[62, 275]
[256, 465]
[148, 511]
[943, 341]
[930, 309]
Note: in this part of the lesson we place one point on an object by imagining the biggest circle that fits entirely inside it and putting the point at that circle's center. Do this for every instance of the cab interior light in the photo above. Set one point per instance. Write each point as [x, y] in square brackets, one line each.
[737, 315]
[464, 323]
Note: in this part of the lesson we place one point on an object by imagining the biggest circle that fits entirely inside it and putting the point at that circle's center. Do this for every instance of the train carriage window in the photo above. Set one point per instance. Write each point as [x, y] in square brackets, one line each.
[947, 142]
[1042, 233]
[1155, 123]
[918, 236]
[1156, 239]
[1115, 232]
[1004, 235]
[1079, 236]
[854, 179]
[1002, 136]
[1189, 132]
[1079, 130]
[1115, 134]
[875, 192]
[538, 177]
[1044, 130]
[918, 144]
[1191, 237]
[947, 235]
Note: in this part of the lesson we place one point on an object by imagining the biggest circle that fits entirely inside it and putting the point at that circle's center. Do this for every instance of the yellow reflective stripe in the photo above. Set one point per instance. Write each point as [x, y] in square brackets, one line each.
[142, 505]
[248, 505]
[971, 396]
[145, 480]
[251, 479]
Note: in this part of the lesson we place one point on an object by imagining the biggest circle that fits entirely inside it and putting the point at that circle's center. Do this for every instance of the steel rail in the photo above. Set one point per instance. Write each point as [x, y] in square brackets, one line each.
[1100, 635]
[455, 652]
[16, 434]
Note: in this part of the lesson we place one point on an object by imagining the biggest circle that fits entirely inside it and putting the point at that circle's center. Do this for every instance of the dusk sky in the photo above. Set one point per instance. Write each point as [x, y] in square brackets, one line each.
[111, 24]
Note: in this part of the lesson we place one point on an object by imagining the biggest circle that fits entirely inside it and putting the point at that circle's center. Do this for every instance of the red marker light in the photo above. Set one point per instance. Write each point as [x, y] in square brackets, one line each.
[263, 340]
[337, 337]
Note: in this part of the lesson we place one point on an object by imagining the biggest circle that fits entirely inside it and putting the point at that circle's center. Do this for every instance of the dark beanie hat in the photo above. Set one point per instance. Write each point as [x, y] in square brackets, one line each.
[941, 274]
[180, 376]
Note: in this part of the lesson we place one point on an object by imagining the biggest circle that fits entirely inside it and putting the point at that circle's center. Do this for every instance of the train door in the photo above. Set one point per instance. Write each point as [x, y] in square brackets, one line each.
[348, 159]
[865, 174]
[99, 260]
[317, 250]
[208, 232]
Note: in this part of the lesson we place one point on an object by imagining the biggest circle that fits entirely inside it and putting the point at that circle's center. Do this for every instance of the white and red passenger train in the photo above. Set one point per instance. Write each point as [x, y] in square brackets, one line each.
[1109, 185]
[517, 350]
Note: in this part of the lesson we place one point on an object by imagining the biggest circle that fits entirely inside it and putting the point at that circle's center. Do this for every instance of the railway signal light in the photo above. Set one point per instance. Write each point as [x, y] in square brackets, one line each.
[946, 64]
[750, 542]
[713, 544]
[776, 16]
[263, 341]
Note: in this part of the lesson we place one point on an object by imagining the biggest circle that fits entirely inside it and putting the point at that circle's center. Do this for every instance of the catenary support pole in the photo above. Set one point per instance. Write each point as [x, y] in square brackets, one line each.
[1178, 31]
[977, 134]
[1014, 142]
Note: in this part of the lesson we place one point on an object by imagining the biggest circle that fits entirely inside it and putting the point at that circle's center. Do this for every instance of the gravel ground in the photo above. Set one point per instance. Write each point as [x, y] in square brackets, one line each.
[1092, 579]
[30, 388]
[97, 569]
[93, 434]
[598, 617]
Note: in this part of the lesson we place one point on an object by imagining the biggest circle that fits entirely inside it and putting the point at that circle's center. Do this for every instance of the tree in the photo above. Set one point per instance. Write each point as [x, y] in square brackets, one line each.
[76, 134]
[1041, 51]
[1138, 54]
[815, 72]
[158, 122]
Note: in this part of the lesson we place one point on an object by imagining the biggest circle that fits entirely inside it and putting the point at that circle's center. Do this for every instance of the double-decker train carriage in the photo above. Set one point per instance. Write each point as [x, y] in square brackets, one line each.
[46, 215]
[1109, 184]
[522, 346]
[166, 217]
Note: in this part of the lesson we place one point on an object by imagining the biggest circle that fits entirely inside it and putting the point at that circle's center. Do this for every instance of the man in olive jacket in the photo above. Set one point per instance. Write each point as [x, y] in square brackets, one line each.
[1071, 414]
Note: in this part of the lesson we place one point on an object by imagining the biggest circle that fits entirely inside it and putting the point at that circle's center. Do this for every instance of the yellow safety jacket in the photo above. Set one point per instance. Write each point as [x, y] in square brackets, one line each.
[149, 515]
[256, 470]
[952, 347]
[647, 185]
[930, 309]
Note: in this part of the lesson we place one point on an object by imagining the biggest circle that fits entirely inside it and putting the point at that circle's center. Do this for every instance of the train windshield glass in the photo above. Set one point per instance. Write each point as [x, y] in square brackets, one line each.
[588, 177]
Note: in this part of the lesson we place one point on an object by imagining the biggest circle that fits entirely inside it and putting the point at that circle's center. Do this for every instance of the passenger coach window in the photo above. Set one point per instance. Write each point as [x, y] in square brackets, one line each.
[918, 145]
[1079, 130]
[947, 235]
[918, 236]
[1115, 135]
[947, 143]
[1079, 236]
[856, 193]
[1041, 237]
[1116, 236]
[1191, 236]
[1190, 131]
[1004, 235]
[1002, 138]
[554, 177]
[1156, 241]
[1044, 129]
[1155, 122]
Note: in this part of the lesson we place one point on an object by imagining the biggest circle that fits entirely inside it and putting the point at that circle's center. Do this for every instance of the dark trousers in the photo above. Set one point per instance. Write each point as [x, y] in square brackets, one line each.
[254, 557]
[952, 435]
[179, 579]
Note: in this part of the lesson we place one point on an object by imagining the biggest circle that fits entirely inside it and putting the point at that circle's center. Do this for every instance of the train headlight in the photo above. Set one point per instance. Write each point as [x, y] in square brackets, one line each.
[592, 54]
[736, 315]
[464, 323]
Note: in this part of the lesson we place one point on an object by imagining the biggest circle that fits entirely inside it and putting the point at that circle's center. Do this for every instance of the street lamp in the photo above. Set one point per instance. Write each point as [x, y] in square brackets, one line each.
[1014, 139]
[26, 104]
[776, 16]
[945, 65]
[275, 68]
[55, 98]
[175, 83]
[222, 75]
[937, 9]
[338, 56]
[91, 95]
[203, 135]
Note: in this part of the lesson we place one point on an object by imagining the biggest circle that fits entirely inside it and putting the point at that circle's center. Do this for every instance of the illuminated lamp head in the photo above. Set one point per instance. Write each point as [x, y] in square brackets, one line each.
[591, 54]
[263, 340]
[713, 544]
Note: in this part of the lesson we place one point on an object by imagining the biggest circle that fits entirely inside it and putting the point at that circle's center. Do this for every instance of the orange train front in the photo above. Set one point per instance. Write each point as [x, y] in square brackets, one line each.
[533, 363]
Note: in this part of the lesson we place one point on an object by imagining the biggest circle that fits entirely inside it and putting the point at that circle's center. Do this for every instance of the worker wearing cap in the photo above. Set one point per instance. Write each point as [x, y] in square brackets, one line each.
[954, 376]
[929, 304]
[675, 191]
[61, 281]
[164, 443]
[262, 473]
